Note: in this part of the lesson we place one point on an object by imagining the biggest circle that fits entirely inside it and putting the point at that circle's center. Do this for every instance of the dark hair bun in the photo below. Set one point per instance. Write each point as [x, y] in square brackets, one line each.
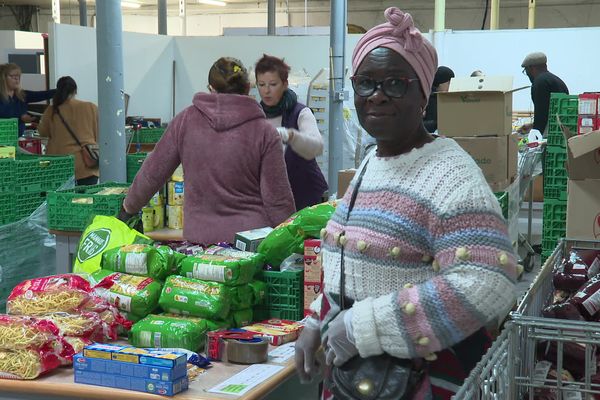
[228, 75]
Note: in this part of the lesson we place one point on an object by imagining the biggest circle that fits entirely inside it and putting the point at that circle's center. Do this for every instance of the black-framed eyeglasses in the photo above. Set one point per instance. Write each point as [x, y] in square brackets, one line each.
[396, 87]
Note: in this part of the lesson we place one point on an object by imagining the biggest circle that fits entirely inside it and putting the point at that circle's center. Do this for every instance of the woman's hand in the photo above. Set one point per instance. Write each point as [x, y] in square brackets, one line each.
[339, 340]
[309, 362]
[286, 134]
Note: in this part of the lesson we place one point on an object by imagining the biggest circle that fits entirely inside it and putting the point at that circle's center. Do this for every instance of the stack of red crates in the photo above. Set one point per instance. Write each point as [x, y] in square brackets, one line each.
[589, 115]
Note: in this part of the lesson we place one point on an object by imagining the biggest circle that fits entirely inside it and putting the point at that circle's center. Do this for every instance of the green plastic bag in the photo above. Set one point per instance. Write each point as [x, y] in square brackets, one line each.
[167, 332]
[140, 260]
[212, 325]
[219, 264]
[240, 296]
[104, 233]
[242, 317]
[259, 291]
[289, 236]
[194, 297]
[131, 316]
[134, 294]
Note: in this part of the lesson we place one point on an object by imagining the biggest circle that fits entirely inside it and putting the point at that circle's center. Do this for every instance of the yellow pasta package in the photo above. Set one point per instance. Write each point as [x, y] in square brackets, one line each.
[29, 363]
[22, 332]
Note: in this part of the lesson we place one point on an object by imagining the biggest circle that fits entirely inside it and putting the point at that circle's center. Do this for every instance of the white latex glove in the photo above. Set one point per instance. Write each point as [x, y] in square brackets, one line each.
[284, 133]
[309, 360]
[339, 340]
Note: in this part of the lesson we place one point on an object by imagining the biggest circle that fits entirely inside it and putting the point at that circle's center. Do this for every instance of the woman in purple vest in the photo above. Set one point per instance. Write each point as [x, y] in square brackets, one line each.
[298, 129]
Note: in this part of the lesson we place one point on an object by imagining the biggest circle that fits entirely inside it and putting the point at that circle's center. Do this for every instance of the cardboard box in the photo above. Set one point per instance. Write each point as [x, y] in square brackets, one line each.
[131, 383]
[344, 178]
[134, 355]
[311, 292]
[313, 273]
[583, 209]
[478, 106]
[497, 156]
[278, 331]
[150, 372]
[583, 155]
[249, 240]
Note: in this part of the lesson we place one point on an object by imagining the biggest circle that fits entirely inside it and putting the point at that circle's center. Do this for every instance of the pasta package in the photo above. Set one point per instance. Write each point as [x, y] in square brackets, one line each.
[28, 363]
[160, 331]
[56, 293]
[289, 236]
[259, 291]
[241, 297]
[219, 264]
[194, 297]
[22, 332]
[212, 325]
[104, 233]
[77, 343]
[242, 317]
[140, 260]
[134, 294]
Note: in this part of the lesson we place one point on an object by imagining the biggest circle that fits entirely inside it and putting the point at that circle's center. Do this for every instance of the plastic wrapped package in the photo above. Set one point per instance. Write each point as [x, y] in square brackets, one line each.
[259, 291]
[194, 297]
[163, 331]
[211, 325]
[242, 317]
[134, 294]
[140, 260]
[289, 236]
[55, 293]
[241, 297]
[28, 363]
[22, 332]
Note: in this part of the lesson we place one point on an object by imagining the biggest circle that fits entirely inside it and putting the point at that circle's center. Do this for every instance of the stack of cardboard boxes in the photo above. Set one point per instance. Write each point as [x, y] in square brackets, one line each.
[583, 205]
[477, 113]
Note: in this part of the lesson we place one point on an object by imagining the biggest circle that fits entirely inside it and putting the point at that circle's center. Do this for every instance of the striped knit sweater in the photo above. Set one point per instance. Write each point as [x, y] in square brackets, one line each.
[427, 255]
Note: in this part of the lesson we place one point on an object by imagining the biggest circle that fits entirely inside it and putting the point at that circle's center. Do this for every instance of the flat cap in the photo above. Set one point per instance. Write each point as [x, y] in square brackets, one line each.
[537, 58]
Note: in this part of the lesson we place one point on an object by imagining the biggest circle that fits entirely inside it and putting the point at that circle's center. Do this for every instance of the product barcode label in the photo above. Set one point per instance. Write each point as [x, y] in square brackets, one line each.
[240, 245]
[541, 372]
[145, 339]
[136, 263]
[157, 342]
[592, 304]
[209, 272]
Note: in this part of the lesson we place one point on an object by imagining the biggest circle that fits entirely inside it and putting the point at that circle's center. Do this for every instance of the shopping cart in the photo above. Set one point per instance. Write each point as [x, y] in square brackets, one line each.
[508, 370]
[530, 160]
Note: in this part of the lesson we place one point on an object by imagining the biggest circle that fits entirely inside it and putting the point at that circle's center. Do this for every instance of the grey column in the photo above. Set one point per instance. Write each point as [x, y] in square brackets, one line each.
[82, 13]
[271, 25]
[337, 39]
[109, 38]
[162, 17]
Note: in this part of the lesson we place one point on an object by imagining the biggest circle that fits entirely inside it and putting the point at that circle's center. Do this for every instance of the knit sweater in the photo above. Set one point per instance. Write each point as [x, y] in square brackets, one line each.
[427, 256]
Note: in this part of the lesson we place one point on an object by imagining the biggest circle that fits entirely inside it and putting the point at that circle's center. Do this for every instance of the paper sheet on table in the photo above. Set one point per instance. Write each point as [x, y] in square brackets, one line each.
[244, 381]
[281, 354]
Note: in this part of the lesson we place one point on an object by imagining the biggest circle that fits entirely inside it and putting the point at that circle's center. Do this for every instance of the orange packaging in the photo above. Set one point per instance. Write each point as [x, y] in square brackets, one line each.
[313, 273]
[278, 331]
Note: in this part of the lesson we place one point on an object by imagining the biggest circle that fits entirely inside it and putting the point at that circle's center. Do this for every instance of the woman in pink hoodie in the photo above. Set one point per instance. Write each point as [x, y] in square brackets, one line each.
[235, 174]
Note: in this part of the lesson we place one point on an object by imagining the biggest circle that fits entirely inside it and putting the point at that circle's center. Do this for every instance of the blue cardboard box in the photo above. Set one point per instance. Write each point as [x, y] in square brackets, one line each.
[128, 369]
[134, 355]
[131, 383]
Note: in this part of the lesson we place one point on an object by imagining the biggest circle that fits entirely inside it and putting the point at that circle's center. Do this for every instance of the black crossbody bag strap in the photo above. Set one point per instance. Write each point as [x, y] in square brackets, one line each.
[68, 127]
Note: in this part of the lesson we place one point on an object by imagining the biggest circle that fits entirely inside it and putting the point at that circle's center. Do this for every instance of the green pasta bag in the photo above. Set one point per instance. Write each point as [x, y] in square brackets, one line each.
[240, 297]
[220, 264]
[190, 296]
[104, 233]
[97, 276]
[259, 291]
[212, 325]
[134, 294]
[242, 317]
[289, 236]
[131, 316]
[166, 332]
[140, 260]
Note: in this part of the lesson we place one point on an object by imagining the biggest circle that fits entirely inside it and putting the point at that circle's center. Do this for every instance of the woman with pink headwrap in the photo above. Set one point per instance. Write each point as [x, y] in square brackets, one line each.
[417, 259]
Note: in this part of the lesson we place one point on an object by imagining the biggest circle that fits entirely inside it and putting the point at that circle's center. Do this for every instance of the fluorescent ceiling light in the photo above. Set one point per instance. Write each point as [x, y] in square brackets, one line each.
[213, 2]
[130, 4]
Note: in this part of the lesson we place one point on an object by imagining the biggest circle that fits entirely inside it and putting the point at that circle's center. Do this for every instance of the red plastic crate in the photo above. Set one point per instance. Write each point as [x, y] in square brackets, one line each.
[589, 104]
[587, 124]
[32, 145]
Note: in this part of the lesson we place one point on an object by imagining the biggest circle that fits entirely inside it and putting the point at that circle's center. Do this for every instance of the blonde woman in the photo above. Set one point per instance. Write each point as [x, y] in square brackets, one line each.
[14, 100]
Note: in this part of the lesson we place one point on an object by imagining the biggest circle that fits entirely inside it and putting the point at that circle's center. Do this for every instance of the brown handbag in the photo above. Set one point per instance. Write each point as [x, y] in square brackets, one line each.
[381, 377]
[89, 152]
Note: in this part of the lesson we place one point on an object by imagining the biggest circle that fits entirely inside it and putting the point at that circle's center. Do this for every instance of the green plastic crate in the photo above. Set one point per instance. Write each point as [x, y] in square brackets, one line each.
[148, 135]
[27, 203]
[263, 313]
[503, 200]
[9, 132]
[134, 163]
[72, 209]
[564, 104]
[7, 208]
[556, 140]
[555, 210]
[42, 173]
[555, 193]
[7, 175]
[555, 172]
[285, 291]
[554, 229]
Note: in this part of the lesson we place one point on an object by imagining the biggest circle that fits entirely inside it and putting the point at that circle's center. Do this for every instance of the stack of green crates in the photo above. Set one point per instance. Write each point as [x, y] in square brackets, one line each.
[555, 172]
[134, 163]
[9, 136]
[284, 298]
[148, 135]
[73, 209]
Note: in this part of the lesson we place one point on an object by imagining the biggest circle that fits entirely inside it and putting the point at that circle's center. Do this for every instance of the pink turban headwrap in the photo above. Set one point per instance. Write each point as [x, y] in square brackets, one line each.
[400, 35]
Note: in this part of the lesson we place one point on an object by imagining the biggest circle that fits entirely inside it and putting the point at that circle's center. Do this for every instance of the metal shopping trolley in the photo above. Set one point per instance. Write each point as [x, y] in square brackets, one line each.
[530, 161]
[510, 369]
